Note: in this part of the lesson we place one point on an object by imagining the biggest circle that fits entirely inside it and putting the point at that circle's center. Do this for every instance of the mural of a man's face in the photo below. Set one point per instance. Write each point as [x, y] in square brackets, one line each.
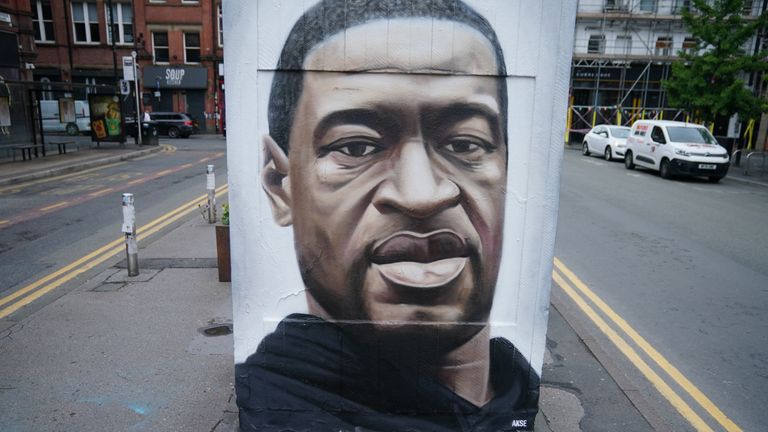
[395, 178]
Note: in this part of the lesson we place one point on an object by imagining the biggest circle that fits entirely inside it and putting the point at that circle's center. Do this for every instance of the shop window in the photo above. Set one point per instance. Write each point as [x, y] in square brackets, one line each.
[85, 20]
[191, 47]
[122, 25]
[42, 19]
[664, 46]
[160, 47]
[596, 44]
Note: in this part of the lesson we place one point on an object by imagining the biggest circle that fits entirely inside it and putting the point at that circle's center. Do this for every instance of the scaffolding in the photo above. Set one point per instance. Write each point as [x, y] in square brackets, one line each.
[623, 50]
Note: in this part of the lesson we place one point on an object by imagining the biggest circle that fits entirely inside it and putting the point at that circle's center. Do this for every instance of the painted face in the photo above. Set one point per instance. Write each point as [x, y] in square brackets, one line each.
[397, 176]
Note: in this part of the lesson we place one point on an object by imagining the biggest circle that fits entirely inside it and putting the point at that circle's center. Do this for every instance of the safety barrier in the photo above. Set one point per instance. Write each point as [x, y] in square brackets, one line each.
[752, 166]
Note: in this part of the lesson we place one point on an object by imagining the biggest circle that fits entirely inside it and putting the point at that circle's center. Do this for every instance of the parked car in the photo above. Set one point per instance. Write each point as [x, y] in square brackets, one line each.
[173, 124]
[195, 123]
[607, 141]
[49, 109]
[676, 148]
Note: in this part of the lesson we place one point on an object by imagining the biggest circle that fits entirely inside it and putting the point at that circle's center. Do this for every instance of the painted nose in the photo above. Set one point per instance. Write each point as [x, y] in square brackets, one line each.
[416, 187]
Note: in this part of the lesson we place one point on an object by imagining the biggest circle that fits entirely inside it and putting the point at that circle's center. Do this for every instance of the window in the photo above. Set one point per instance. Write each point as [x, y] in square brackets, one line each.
[664, 46]
[624, 44]
[596, 44]
[190, 1]
[221, 26]
[615, 5]
[191, 47]
[747, 8]
[681, 5]
[42, 19]
[86, 22]
[46, 94]
[648, 6]
[122, 14]
[657, 135]
[160, 47]
[690, 45]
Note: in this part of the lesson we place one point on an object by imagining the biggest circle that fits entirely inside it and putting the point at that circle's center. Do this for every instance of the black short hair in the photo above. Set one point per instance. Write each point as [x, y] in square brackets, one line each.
[329, 17]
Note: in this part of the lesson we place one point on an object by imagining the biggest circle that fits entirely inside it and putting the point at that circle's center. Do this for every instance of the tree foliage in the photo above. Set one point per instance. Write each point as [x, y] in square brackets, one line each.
[708, 81]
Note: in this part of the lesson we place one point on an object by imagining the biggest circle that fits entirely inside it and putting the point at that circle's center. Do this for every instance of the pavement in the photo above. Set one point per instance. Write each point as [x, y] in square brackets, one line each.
[155, 352]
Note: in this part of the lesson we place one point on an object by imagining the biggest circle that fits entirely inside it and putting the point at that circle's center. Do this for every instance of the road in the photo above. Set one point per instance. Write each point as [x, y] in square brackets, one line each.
[683, 263]
[51, 222]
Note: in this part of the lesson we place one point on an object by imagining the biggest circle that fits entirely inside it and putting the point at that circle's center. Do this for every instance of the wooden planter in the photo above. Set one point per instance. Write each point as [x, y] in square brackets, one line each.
[222, 253]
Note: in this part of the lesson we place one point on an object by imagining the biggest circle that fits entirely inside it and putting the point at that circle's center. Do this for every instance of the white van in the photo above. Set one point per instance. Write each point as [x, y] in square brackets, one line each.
[676, 148]
[52, 123]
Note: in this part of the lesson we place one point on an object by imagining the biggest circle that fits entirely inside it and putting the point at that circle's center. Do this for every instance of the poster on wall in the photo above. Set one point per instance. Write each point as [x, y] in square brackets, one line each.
[5, 112]
[67, 110]
[394, 176]
[106, 118]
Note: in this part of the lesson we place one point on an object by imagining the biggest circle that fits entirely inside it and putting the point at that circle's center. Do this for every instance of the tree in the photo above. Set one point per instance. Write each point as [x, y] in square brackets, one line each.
[708, 80]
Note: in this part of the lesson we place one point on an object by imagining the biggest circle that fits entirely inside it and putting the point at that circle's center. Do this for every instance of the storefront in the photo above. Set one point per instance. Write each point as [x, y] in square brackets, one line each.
[178, 89]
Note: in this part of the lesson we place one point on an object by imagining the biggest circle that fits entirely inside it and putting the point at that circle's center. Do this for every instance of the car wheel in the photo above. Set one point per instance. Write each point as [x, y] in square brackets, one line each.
[628, 162]
[585, 149]
[714, 179]
[173, 132]
[664, 169]
[608, 154]
[72, 129]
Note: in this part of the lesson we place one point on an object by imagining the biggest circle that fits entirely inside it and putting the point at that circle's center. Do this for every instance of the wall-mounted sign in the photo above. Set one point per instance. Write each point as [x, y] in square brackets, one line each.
[128, 74]
[181, 77]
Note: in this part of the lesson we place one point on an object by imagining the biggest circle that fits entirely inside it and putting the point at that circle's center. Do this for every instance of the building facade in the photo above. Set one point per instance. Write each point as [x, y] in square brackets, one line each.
[178, 45]
[623, 49]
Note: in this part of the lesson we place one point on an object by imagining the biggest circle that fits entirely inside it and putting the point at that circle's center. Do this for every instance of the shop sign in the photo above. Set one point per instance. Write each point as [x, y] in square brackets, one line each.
[180, 77]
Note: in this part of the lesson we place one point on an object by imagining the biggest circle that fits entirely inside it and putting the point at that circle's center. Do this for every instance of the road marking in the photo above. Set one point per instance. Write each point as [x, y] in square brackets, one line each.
[31, 214]
[54, 206]
[41, 287]
[659, 359]
[593, 162]
[635, 175]
[3, 222]
[61, 177]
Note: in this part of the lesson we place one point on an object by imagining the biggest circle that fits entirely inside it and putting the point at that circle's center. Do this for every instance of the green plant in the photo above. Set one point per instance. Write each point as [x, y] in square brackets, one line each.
[225, 214]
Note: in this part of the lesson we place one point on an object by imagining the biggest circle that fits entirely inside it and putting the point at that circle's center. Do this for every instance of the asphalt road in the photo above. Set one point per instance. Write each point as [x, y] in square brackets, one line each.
[684, 263]
[55, 221]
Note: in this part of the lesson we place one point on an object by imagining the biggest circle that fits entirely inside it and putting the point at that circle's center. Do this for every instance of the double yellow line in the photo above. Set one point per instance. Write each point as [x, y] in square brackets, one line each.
[580, 293]
[39, 288]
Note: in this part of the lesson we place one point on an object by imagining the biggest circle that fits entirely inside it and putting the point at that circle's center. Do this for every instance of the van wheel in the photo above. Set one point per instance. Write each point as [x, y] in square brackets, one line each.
[173, 132]
[608, 154]
[628, 162]
[585, 149]
[72, 129]
[664, 169]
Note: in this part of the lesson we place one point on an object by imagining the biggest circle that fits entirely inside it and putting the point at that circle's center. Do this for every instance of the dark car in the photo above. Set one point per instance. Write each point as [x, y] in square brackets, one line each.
[173, 124]
[195, 123]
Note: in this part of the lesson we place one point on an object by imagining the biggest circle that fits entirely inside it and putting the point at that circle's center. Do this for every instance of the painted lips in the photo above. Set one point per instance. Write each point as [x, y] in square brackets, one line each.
[421, 260]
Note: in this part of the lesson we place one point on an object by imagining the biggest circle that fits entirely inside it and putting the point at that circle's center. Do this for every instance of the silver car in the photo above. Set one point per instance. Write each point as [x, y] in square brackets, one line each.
[607, 141]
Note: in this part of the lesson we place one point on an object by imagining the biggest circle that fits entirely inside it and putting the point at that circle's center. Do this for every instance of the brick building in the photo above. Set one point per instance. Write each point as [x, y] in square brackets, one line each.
[178, 44]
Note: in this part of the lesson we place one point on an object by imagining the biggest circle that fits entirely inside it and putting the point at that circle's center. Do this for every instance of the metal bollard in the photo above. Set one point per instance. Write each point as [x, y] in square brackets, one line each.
[210, 185]
[129, 228]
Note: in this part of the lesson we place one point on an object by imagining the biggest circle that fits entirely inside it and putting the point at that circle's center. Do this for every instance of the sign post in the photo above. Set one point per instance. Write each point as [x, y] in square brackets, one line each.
[136, 90]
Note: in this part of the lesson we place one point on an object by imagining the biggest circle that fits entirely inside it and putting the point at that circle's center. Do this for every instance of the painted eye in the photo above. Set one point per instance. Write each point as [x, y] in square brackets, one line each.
[461, 146]
[357, 149]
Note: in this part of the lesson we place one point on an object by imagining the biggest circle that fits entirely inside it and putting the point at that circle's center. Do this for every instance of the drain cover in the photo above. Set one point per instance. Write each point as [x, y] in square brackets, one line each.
[217, 329]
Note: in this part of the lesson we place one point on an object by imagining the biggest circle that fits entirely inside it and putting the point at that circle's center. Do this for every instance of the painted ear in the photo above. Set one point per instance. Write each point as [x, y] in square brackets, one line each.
[275, 181]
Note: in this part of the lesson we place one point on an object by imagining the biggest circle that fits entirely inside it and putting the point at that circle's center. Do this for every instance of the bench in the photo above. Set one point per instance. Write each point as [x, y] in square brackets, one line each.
[26, 151]
[62, 146]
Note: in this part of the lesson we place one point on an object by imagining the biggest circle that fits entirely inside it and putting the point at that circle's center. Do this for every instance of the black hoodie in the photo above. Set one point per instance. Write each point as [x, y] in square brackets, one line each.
[310, 376]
